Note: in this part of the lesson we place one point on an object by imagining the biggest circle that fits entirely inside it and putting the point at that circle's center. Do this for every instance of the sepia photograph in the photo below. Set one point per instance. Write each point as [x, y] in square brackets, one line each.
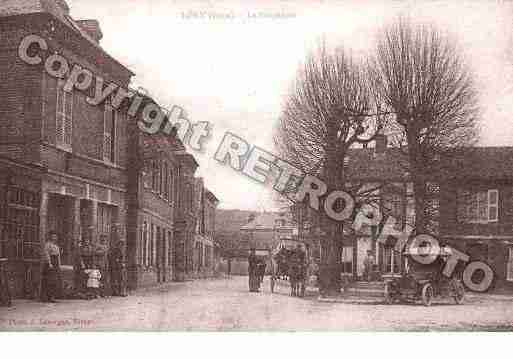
[256, 166]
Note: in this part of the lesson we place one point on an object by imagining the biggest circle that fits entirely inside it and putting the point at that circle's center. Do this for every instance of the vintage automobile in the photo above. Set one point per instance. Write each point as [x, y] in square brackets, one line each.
[424, 282]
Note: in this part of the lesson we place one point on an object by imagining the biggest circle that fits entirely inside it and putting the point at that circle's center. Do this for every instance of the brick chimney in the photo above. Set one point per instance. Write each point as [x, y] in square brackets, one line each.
[92, 28]
[63, 5]
[381, 143]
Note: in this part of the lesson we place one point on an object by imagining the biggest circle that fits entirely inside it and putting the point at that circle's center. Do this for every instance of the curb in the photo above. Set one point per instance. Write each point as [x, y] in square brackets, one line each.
[351, 300]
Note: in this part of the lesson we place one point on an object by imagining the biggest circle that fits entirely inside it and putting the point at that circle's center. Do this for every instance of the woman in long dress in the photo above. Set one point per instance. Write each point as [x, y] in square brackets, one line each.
[51, 273]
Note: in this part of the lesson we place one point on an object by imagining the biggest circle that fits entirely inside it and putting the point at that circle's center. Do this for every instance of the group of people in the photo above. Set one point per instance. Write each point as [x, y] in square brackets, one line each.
[295, 261]
[256, 271]
[95, 269]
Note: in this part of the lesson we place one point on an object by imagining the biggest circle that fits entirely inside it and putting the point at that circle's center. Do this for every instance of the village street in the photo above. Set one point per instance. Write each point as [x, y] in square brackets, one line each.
[225, 304]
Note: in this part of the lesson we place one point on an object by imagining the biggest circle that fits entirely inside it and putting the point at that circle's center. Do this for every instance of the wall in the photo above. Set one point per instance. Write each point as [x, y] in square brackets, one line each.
[449, 223]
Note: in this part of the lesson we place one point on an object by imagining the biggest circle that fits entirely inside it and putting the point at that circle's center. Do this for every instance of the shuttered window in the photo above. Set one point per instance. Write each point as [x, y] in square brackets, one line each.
[109, 133]
[166, 180]
[64, 117]
[478, 207]
[145, 245]
[509, 269]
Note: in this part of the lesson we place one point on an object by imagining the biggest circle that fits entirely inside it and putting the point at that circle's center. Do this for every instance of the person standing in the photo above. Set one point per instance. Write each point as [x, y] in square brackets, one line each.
[5, 294]
[252, 271]
[368, 266]
[117, 268]
[101, 252]
[94, 277]
[51, 273]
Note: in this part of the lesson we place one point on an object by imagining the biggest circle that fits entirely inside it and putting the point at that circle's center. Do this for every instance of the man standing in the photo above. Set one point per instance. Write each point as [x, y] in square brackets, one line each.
[252, 270]
[116, 266]
[368, 266]
[51, 273]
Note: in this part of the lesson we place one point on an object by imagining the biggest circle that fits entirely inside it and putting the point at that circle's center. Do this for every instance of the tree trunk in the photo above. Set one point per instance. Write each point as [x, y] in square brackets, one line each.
[329, 271]
[419, 184]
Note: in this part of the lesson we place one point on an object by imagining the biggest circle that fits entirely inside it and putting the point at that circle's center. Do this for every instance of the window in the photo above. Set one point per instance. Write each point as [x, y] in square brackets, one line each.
[154, 171]
[509, 265]
[155, 246]
[158, 249]
[347, 260]
[208, 254]
[394, 204]
[145, 245]
[109, 133]
[170, 184]
[391, 260]
[152, 245]
[199, 254]
[190, 197]
[64, 117]
[166, 181]
[104, 219]
[19, 224]
[478, 207]
[169, 248]
[410, 211]
[493, 205]
[160, 179]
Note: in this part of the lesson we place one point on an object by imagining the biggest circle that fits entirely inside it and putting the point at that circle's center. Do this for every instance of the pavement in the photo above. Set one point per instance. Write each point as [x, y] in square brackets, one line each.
[226, 305]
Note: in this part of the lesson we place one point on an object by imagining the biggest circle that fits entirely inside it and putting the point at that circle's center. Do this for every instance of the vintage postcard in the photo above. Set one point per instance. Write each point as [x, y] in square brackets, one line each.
[232, 165]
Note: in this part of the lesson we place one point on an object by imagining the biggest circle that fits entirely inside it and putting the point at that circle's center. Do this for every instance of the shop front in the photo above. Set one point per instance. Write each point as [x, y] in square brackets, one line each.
[20, 200]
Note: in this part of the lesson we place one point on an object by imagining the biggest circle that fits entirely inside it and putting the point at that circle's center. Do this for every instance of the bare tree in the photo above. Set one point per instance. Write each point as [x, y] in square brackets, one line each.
[419, 75]
[329, 109]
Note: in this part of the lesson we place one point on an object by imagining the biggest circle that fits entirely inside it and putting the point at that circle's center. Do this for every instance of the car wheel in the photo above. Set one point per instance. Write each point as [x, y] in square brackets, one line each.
[427, 294]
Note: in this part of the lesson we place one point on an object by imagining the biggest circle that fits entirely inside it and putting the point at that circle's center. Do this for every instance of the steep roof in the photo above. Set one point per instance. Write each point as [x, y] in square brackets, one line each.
[230, 220]
[57, 8]
[365, 164]
[485, 163]
[211, 196]
[480, 163]
[265, 220]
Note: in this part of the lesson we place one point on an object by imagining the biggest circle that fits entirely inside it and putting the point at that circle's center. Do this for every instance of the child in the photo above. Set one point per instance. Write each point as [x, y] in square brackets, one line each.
[93, 281]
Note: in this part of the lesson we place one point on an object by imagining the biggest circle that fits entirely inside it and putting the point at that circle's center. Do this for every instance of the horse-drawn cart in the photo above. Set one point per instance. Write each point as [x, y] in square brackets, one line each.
[291, 265]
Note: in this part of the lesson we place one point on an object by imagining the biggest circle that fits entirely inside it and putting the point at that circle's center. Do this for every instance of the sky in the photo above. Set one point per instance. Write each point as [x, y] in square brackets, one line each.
[231, 63]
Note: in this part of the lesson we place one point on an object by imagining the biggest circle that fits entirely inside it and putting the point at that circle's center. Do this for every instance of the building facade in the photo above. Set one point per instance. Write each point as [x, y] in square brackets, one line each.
[476, 211]
[205, 258]
[267, 231]
[471, 209]
[81, 192]
[84, 170]
[185, 217]
[153, 193]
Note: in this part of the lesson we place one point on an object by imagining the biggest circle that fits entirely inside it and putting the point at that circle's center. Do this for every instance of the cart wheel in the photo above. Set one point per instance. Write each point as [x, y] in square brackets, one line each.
[427, 294]
[459, 293]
